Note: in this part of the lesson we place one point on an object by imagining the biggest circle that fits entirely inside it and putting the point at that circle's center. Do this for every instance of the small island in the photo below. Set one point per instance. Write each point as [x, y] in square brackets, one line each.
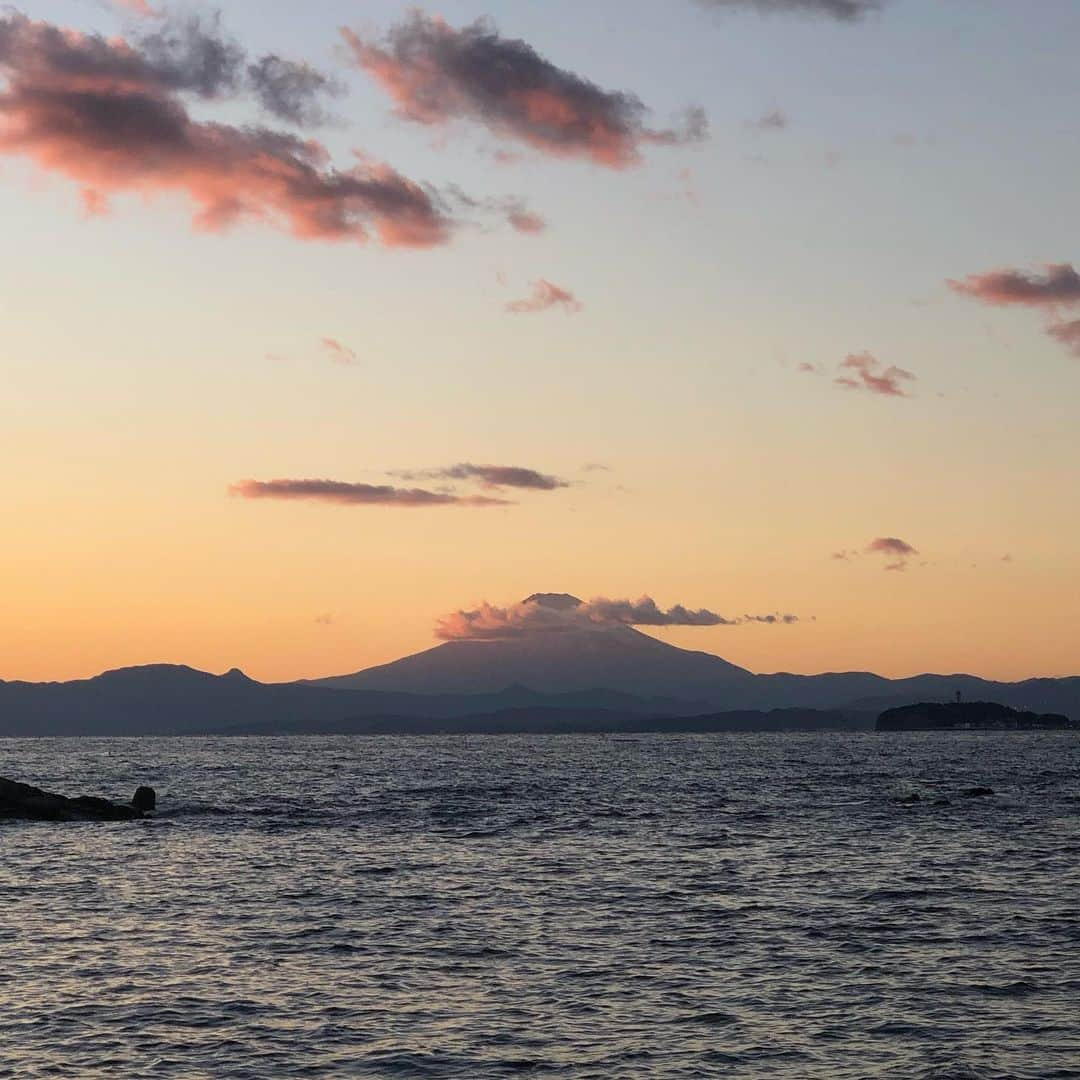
[970, 716]
[21, 802]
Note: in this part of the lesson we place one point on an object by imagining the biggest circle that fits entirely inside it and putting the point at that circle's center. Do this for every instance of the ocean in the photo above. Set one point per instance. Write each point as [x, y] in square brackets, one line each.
[580, 907]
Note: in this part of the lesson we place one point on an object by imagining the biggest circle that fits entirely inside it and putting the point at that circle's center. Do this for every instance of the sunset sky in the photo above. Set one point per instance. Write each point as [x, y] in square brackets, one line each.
[811, 351]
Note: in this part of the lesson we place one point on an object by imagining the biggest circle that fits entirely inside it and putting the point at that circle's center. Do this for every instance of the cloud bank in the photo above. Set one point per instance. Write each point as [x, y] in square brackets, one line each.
[545, 615]
[345, 494]
[435, 74]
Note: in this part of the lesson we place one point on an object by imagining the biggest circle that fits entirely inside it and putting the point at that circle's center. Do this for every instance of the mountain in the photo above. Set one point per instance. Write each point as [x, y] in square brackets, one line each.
[578, 676]
[577, 656]
[565, 661]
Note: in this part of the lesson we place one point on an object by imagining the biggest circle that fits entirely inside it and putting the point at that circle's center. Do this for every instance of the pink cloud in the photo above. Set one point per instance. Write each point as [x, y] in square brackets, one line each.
[346, 494]
[1058, 287]
[557, 614]
[865, 372]
[111, 118]
[895, 549]
[525, 221]
[545, 295]
[891, 545]
[139, 7]
[340, 354]
[898, 552]
[1068, 334]
[1060, 284]
[435, 74]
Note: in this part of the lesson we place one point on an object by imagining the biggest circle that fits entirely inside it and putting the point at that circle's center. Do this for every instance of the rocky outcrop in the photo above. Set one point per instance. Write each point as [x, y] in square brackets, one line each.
[21, 802]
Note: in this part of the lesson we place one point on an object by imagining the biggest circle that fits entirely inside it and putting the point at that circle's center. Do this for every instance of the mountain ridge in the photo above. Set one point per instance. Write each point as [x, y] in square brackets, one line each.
[164, 699]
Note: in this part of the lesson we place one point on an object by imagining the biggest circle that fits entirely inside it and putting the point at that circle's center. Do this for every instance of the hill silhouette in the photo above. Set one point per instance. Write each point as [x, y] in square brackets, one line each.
[598, 676]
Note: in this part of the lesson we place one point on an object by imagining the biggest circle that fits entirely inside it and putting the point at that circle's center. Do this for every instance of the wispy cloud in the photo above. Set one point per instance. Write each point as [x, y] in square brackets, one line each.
[346, 494]
[292, 90]
[490, 476]
[1067, 334]
[526, 221]
[862, 371]
[512, 208]
[435, 74]
[844, 10]
[340, 354]
[897, 552]
[137, 7]
[493, 623]
[774, 120]
[545, 296]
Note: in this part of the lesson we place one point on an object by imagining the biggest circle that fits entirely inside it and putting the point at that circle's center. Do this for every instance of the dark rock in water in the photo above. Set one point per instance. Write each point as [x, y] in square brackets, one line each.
[977, 792]
[145, 799]
[909, 800]
[21, 802]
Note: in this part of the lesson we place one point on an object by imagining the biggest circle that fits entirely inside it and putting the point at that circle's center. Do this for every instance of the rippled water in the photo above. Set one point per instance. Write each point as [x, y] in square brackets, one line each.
[576, 907]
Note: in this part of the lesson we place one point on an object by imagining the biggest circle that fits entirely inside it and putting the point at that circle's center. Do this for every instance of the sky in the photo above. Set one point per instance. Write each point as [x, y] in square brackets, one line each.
[755, 312]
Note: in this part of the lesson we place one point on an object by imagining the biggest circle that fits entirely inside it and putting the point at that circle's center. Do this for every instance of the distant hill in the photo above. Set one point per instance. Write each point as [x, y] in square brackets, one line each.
[570, 661]
[970, 716]
[566, 673]
[173, 700]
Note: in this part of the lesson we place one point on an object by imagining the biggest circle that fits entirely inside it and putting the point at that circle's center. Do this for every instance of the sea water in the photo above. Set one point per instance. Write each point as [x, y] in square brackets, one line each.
[748, 906]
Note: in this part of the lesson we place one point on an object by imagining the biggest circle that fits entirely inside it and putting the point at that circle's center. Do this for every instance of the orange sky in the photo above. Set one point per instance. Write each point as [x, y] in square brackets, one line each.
[676, 309]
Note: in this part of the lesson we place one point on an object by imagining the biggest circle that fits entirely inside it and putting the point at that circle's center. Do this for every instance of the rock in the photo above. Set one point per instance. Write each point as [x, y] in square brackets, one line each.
[144, 799]
[977, 792]
[21, 802]
[909, 800]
